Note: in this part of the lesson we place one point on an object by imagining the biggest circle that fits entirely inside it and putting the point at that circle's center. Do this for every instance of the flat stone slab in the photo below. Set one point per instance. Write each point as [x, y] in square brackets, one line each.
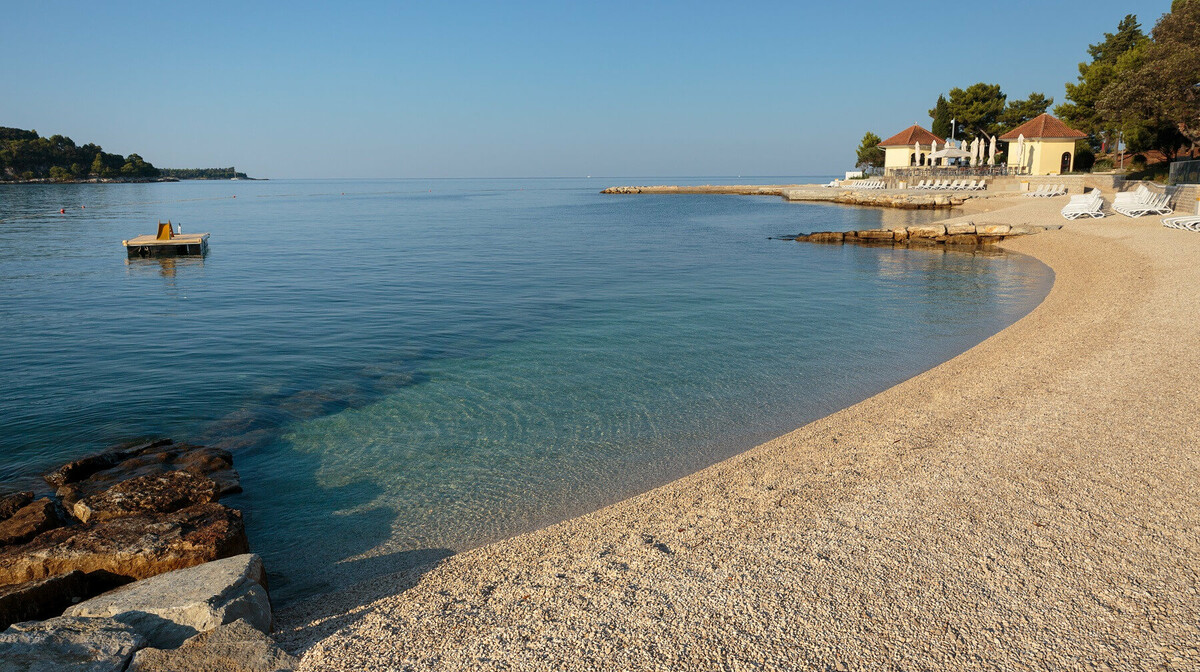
[68, 644]
[135, 546]
[235, 647]
[169, 608]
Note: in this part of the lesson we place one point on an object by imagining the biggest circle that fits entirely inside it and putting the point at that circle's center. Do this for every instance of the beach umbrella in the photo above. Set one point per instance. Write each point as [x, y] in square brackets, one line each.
[992, 152]
[1020, 154]
[916, 153]
[932, 149]
[974, 144]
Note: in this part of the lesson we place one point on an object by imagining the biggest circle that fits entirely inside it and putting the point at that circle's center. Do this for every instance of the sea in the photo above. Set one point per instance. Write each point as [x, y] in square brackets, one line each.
[408, 368]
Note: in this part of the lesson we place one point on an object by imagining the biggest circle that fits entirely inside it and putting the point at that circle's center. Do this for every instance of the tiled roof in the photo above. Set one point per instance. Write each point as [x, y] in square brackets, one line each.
[910, 135]
[1043, 126]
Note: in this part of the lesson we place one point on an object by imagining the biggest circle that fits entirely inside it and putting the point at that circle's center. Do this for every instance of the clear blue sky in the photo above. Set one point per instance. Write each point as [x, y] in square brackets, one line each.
[441, 89]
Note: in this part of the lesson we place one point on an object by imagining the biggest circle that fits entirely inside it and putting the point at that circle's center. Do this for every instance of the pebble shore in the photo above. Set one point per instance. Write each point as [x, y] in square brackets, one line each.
[1029, 504]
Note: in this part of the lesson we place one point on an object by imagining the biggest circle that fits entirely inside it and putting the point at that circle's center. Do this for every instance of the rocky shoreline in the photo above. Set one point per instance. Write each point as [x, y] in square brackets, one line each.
[133, 554]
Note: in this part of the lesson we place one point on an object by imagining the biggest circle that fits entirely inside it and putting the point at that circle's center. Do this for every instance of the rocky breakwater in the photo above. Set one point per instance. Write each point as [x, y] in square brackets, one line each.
[114, 520]
[903, 200]
[956, 234]
[736, 189]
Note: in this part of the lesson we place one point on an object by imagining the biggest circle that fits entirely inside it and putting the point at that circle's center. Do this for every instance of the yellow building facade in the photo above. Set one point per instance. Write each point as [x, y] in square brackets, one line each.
[1048, 148]
[908, 148]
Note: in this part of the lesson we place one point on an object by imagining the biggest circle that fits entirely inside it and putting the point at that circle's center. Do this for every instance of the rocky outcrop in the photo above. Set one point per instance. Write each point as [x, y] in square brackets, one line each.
[156, 493]
[171, 607]
[67, 644]
[30, 521]
[10, 504]
[94, 474]
[954, 234]
[36, 600]
[235, 647]
[137, 546]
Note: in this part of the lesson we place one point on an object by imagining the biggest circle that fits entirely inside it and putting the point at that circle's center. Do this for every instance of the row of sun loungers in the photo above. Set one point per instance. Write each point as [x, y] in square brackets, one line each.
[1187, 223]
[955, 185]
[1048, 191]
[1084, 205]
[868, 184]
[1141, 202]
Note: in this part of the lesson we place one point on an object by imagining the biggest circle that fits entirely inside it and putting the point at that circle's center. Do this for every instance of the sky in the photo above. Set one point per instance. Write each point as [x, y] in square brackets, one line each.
[533, 89]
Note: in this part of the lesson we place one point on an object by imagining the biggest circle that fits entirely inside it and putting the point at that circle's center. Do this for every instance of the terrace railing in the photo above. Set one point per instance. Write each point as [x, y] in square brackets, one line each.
[956, 171]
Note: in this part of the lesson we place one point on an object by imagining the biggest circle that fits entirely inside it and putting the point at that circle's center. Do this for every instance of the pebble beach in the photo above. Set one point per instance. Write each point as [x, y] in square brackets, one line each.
[1029, 504]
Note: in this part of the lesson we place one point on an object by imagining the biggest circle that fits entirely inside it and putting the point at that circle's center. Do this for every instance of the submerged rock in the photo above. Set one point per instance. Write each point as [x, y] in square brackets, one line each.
[46, 598]
[156, 493]
[137, 546]
[171, 607]
[67, 644]
[30, 521]
[77, 470]
[234, 647]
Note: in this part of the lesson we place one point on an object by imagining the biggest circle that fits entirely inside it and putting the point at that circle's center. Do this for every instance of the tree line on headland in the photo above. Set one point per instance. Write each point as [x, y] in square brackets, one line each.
[26, 156]
[1142, 90]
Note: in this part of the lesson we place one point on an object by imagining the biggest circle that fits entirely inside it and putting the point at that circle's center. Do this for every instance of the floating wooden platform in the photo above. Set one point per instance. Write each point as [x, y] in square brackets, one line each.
[179, 243]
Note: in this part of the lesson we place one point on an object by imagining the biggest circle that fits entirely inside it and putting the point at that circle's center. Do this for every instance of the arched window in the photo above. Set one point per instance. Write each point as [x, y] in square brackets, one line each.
[912, 159]
[1065, 166]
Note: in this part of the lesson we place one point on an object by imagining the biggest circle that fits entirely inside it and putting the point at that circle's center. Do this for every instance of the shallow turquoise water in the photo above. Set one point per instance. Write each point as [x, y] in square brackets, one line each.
[415, 365]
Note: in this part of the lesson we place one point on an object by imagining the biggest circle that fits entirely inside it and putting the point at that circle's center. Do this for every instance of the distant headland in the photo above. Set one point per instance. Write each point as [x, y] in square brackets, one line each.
[28, 158]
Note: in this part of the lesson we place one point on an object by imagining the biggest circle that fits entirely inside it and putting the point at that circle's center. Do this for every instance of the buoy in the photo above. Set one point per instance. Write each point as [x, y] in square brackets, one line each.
[83, 207]
[62, 211]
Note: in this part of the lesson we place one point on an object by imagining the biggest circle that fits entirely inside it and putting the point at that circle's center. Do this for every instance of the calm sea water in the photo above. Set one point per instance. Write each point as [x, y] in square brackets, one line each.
[411, 367]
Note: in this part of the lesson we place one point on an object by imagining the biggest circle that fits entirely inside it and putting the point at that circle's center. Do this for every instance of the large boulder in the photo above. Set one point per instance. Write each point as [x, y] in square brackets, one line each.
[169, 608]
[235, 647]
[960, 228]
[134, 546]
[156, 493]
[67, 644]
[11, 503]
[37, 600]
[29, 521]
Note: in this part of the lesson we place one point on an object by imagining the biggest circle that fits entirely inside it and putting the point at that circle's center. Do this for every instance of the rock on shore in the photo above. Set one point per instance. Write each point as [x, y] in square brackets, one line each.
[119, 515]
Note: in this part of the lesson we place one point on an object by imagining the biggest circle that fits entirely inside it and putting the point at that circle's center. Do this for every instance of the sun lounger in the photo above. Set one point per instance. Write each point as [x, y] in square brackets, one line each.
[1041, 191]
[1084, 205]
[1142, 202]
[1185, 223]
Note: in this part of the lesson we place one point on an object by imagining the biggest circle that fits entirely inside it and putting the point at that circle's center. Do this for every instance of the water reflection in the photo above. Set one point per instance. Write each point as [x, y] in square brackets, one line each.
[166, 267]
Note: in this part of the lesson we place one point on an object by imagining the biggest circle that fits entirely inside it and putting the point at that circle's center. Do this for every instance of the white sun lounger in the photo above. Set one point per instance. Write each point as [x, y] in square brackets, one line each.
[1185, 223]
[1084, 205]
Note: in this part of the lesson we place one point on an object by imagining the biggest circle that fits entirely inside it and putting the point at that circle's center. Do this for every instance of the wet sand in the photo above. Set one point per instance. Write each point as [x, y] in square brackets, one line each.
[1033, 503]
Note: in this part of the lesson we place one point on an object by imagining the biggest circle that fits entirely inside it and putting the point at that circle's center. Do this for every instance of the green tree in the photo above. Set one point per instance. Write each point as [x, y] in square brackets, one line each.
[59, 174]
[941, 118]
[870, 154]
[1020, 111]
[1109, 57]
[976, 110]
[1160, 85]
[98, 164]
